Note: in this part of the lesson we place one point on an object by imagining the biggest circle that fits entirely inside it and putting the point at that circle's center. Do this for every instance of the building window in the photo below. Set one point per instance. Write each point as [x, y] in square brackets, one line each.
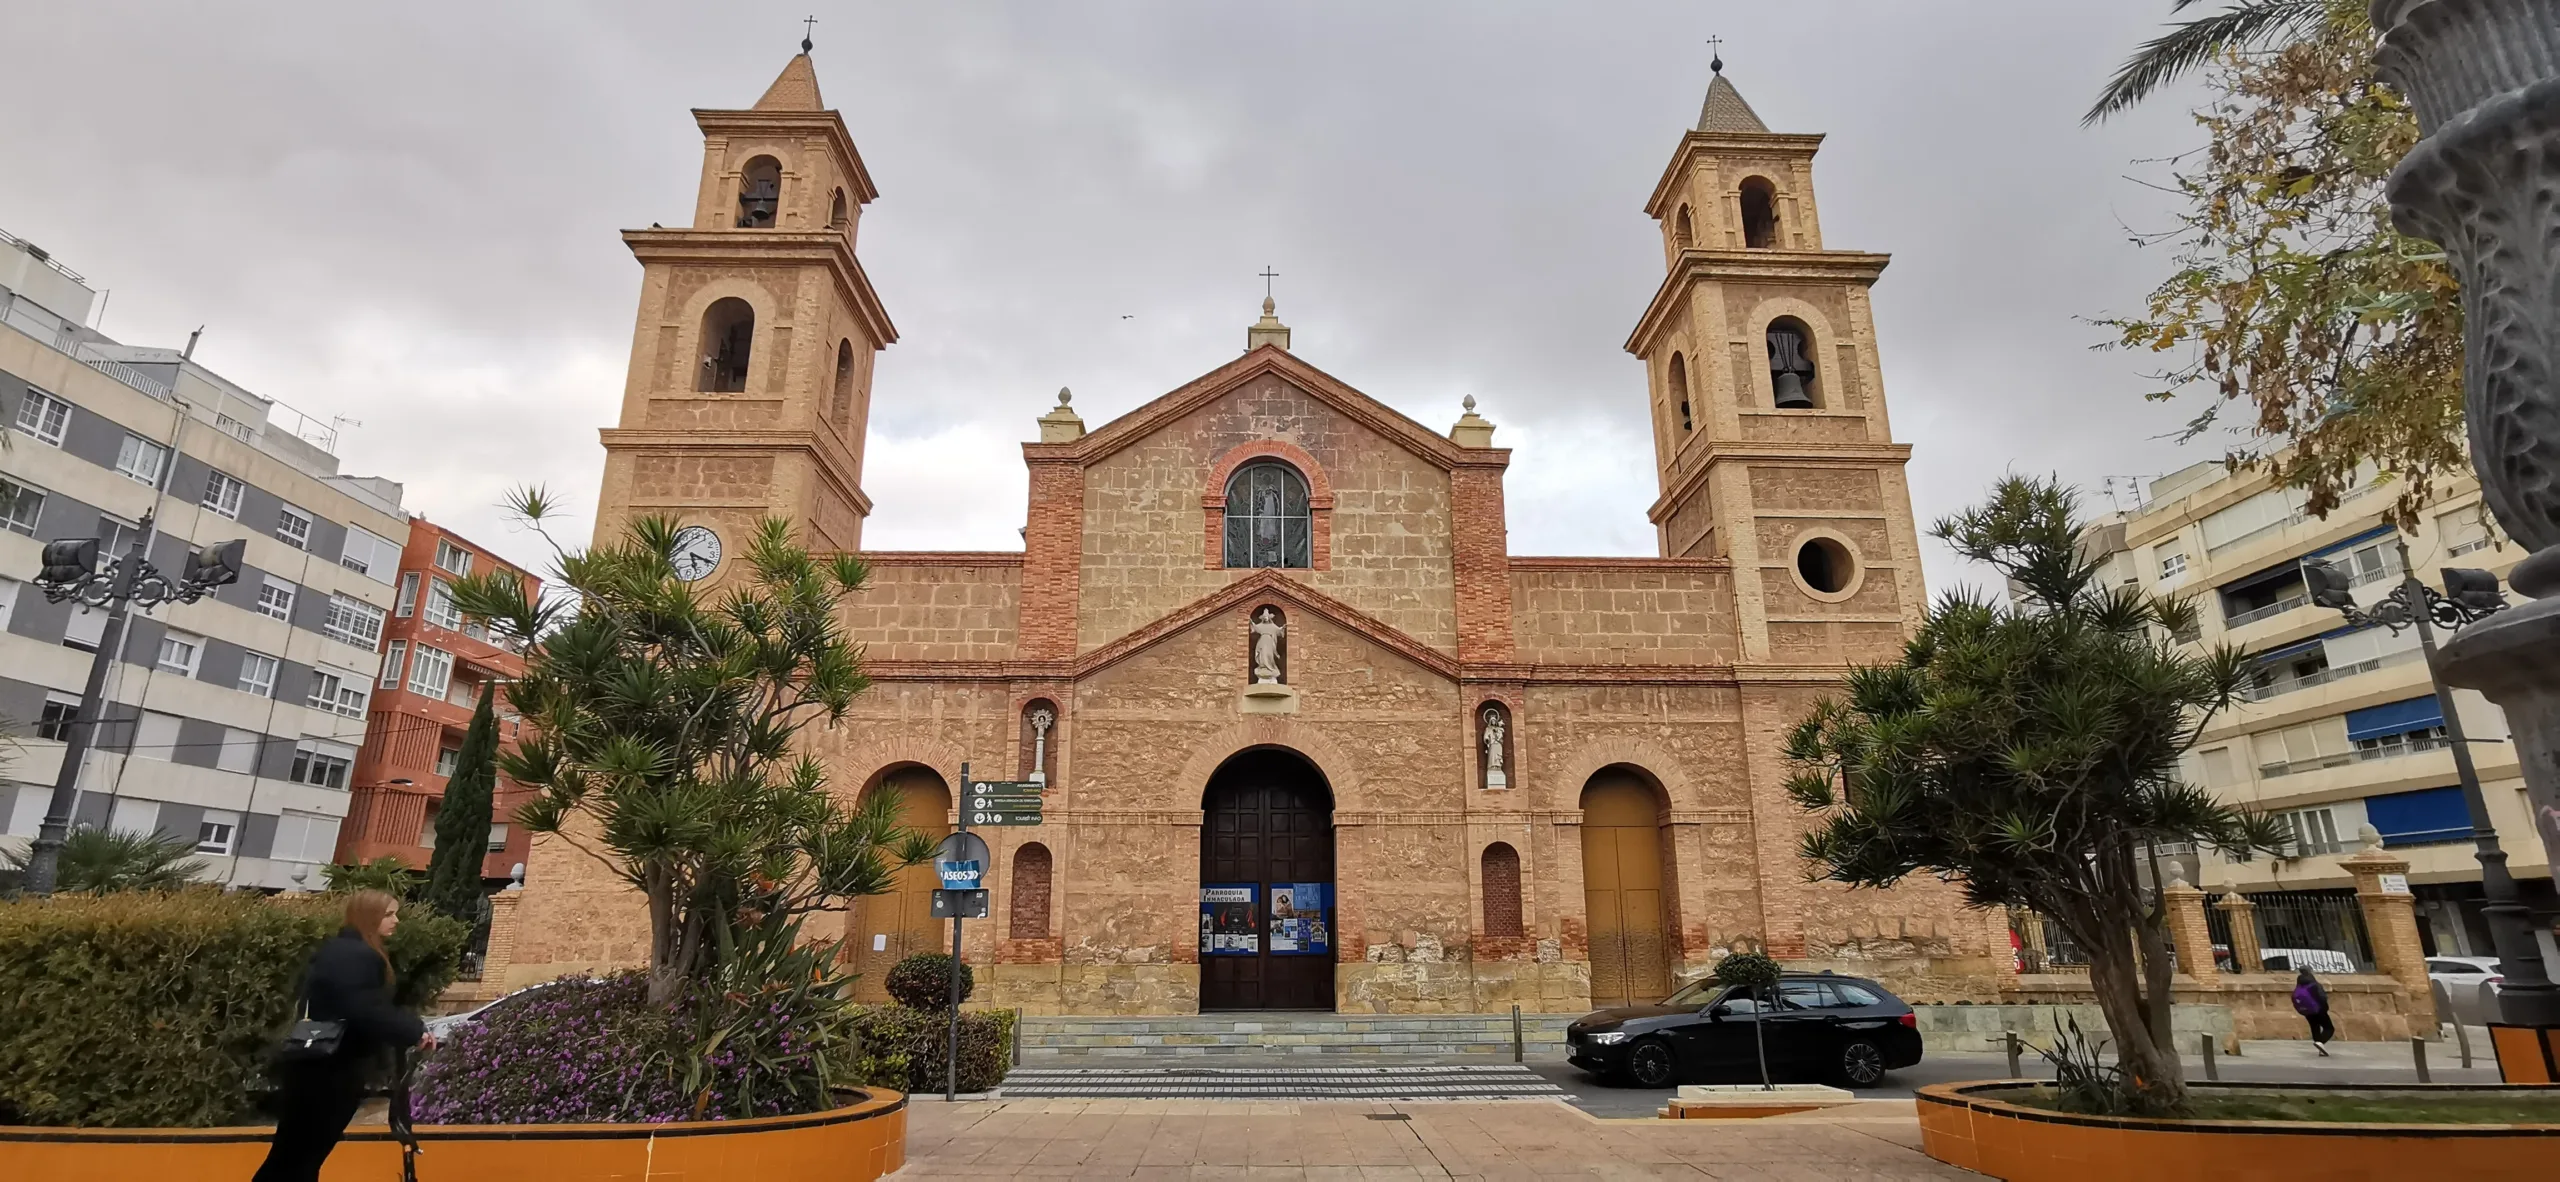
[293, 527]
[275, 599]
[369, 553]
[305, 837]
[258, 674]
[233, 427]
[1683, 232]
[179, 652]
[222, 494]
[408, 595]
[430, 671]
[836, 211]
[9, 589]
[2172, 565]
[1794, 382]
[1759, 213]
[759, 193]
[2420, 818]
[440, 609]
[141, 459]
[55, 721]
[2463, 530]
[1267, 519]
[320, 764]
[1678, 387]
[1502, 891]
[239, 751]
[44, 416]
[155, 735]
[86, 629]
[842, 403]
[2404, 743]
[395, 658]
[1030, 907]
[447, 759]
[2396, 728]
[728, 334]
[19, 507]
[215, 833]
[497, 836]
[353, 621]
[336, 693]
[2315, 831]
[452, 559]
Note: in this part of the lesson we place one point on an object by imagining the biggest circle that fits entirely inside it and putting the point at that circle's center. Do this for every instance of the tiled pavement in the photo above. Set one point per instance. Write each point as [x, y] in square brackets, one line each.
[1524, 1139]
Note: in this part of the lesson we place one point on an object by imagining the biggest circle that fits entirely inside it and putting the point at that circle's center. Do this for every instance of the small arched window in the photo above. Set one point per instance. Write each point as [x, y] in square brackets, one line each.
[1267, 518]
[836, 212]
[1502, 891]
[759, 192]
[1759, 213]
[728, 333]
[1683, 233]
[842, 403]
[1676, 389]
[1030, 906]
[1794, 384]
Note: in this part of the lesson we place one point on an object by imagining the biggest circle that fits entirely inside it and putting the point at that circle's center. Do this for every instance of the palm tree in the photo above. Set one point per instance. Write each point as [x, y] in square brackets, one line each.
[102, 861]
[2247, 24]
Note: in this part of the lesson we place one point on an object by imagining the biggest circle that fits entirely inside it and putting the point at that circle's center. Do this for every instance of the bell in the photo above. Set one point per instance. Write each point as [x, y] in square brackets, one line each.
[1790, 391]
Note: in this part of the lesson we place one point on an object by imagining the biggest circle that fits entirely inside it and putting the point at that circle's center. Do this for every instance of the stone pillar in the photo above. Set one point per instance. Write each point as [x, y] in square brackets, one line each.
[2246, 955]
[502, 938]
[2188, 933]
[2031, 943]
[2391, 922]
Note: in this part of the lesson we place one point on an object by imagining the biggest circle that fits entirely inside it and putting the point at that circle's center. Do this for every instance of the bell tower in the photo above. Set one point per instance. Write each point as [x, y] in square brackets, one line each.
[749, 390]
[1770, 436]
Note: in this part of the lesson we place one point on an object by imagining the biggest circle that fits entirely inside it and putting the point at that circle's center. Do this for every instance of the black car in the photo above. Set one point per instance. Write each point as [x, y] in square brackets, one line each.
[1846, 1029]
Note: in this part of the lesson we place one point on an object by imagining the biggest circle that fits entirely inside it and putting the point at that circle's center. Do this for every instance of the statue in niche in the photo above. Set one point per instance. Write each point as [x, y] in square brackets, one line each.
[1267, 634]
[1041, 720]
[1494, 731]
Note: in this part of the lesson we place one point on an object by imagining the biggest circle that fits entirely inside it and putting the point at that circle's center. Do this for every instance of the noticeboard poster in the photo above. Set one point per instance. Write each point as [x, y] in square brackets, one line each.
[1230, 920]
[1298, 926]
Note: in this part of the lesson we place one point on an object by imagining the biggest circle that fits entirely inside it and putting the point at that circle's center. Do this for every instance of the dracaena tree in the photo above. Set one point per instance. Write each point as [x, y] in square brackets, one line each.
[661, 726]
[2029, 752]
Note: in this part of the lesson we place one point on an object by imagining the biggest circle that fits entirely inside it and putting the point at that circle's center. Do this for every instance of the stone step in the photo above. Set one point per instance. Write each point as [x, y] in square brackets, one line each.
[1283, 1083]
[1051, 1036]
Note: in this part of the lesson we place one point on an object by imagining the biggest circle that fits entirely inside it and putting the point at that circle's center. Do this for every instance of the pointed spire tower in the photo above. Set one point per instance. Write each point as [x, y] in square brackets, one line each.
[750, 383]
[1769, 424]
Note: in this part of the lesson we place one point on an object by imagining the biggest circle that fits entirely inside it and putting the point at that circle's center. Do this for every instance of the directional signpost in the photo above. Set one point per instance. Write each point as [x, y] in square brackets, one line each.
[1001, 802]
[962, 864]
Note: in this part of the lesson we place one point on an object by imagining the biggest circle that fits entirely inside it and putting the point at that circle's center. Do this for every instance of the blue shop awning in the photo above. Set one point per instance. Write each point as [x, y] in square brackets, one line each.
[2394, 718]
[2415, 818]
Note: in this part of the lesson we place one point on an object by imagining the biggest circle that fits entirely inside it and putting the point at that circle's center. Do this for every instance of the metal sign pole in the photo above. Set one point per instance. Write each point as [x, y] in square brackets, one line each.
[951, 1061]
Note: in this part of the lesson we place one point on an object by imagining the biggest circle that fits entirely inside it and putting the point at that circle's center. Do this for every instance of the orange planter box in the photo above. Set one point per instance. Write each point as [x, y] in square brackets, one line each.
[1962, 1128]
[850, 1144]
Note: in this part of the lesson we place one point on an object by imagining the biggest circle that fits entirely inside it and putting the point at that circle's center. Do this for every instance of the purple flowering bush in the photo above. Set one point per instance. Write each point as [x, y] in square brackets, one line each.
[599, 1051]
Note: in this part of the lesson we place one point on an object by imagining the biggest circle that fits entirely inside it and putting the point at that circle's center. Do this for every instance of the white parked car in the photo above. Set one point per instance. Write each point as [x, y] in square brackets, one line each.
[2318, 960]
[2471, 986]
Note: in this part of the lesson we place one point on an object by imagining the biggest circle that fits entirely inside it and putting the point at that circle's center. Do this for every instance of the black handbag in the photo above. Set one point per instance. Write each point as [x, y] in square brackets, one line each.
[311, 1040]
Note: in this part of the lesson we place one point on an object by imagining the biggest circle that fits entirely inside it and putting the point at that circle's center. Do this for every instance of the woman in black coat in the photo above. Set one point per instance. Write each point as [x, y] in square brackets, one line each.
[349, 981]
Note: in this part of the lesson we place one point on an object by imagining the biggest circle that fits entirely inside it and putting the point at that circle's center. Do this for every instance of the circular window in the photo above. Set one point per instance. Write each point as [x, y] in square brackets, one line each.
[1825, 565]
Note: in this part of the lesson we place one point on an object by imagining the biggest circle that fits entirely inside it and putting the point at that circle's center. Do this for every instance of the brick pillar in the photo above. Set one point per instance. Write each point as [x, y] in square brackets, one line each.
[2391, 922]
[2188, 933]
[2246, 957]
[502, 937]
[1483, 562]
[1052, 554]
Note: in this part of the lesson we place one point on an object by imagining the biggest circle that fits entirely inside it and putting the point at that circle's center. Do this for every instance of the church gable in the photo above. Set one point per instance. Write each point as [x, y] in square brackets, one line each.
[1369, 522]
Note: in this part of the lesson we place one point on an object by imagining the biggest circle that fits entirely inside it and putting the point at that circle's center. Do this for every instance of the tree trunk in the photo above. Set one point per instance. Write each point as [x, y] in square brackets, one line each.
[2114, 976]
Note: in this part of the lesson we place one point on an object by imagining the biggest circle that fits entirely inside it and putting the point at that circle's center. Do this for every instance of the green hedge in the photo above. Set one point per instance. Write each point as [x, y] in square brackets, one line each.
[903, 1048]
[157, 1010]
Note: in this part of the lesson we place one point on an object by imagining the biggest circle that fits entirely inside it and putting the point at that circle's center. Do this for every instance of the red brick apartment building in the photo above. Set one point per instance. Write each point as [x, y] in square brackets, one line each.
[433, 667]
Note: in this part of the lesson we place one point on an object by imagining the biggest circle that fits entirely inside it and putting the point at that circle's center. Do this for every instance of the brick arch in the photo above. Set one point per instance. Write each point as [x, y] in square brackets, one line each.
[1213, 499]
[761, 359]
[1668, 774]
[1340, 771]
[877, 760]
[1825, 350]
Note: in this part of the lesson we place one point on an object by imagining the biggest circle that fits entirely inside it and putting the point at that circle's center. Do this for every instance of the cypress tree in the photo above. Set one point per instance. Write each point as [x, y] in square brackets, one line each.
[462, 824]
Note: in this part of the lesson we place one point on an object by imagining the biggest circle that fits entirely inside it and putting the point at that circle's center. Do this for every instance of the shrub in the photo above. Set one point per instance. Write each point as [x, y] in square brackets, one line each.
[137, 1009]
[902, 1047]
[923, 981]
[600, 1050]
[386, 874]
[98, 861]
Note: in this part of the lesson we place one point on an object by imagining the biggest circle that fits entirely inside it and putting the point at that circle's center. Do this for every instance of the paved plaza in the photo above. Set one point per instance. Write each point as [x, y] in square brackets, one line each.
[1522, 1139]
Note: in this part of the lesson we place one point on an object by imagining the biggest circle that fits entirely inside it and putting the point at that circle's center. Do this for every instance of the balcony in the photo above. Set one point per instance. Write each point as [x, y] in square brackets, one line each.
[2286, 685]
[395, 820]
[2402, 745]
[2268, 612]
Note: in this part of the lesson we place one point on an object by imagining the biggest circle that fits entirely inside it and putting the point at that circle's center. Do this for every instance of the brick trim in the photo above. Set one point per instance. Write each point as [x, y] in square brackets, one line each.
[1213, 500]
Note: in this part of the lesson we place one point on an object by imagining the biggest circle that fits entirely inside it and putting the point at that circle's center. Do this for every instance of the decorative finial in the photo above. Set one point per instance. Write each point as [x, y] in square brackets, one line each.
[1715, 54]
[1268, 307]
[1065, 395]
[1469, 402]
[808, 29]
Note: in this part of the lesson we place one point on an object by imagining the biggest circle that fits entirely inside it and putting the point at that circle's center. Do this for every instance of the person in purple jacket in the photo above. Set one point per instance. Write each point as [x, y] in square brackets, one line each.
[2312, 1002]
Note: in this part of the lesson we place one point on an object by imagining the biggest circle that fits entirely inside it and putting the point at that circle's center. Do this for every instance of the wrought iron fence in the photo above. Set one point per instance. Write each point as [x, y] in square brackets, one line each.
[2296, 929]
[2043, 947]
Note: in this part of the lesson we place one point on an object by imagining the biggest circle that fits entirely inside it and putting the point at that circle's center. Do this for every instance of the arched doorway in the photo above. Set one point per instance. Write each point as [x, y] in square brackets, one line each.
[888, 928]
[1266, 846]
[1622, 889]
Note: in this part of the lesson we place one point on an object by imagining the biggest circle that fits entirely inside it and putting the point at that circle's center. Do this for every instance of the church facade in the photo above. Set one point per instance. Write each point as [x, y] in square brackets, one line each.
[1309, 736]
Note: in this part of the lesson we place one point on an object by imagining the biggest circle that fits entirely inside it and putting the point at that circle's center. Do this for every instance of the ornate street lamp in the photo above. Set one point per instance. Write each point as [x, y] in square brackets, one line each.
[71, 572]
[2483, 77]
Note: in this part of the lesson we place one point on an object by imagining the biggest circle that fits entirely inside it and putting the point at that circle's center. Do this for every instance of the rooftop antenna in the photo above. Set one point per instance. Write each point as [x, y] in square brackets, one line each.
[190, 353]
[808, 30]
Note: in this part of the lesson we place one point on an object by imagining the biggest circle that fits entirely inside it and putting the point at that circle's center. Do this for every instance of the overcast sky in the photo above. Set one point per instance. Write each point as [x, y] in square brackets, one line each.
[407, 215]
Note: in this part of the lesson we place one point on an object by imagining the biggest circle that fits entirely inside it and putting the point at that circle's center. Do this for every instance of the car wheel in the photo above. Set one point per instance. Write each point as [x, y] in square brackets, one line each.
[1649, 1064]
[1861, 1063]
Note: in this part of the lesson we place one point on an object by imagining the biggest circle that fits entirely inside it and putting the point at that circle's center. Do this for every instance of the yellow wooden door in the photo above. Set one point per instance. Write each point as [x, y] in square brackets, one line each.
[1622, 891]
[886, 929]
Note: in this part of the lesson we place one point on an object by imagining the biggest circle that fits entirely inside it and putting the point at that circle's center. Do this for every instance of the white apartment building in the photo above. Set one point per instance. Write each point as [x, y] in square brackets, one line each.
[233, 722]
[2340, 730]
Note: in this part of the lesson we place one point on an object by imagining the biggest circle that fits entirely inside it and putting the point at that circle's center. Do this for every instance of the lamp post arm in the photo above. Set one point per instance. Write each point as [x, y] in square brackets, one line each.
[44, 858]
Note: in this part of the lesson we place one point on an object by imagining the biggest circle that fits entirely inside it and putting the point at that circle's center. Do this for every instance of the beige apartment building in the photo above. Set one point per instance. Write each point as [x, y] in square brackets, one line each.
[2340, 730]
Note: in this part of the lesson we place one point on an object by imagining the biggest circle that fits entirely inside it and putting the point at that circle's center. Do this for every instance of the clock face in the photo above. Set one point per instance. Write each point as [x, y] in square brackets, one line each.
[696, 553]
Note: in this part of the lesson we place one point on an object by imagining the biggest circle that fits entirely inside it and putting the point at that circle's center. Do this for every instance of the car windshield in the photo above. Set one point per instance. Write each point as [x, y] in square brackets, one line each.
[1694, 993]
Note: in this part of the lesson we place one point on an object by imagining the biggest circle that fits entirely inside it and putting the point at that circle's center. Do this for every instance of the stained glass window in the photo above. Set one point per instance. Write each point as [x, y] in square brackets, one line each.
[1267, 519]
